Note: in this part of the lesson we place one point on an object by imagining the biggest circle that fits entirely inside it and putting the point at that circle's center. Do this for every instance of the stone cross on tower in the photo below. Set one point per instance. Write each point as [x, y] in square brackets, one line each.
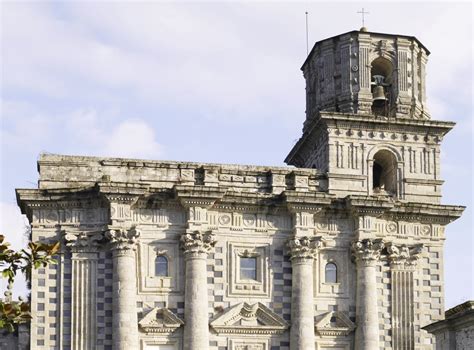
[363, 13]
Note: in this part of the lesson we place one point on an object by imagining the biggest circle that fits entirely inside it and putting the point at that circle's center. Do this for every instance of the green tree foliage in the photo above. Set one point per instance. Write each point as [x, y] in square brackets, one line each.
[36, 255]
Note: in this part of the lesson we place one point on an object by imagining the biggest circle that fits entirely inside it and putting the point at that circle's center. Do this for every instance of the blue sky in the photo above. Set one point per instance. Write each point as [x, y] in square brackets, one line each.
[210, 82]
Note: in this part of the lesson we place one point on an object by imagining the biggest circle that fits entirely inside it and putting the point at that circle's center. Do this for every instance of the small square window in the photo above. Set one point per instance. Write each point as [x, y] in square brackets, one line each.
[248, 268]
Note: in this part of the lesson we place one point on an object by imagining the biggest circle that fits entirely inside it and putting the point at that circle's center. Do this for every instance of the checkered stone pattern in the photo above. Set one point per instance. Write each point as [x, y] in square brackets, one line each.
[67, 298]
[384, 302]
[280, 342]
[429, 295]
[281, 296]
[45, 282]
[104, 300]
[216, 264]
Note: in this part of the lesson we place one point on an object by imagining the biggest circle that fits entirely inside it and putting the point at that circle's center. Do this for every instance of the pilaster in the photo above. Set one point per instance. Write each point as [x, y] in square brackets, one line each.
[403, 260]
[84, 255]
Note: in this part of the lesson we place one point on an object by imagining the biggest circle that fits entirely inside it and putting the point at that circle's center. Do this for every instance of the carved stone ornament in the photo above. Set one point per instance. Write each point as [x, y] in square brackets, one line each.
[82, 241]
[402, 255]
[123, 239]
[160, 320]
[244, 318]
[335, 323]
[367, 251]
[304, 247]
[195, 243]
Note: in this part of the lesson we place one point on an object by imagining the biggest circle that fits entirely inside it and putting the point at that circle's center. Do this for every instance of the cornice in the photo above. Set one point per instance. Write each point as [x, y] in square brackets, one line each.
[198, 196]
[422, 212]
[312, 202]
[365, 122]
[368, 205]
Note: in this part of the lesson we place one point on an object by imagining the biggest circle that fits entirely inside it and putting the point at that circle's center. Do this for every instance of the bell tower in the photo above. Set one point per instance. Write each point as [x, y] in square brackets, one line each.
[367, 123]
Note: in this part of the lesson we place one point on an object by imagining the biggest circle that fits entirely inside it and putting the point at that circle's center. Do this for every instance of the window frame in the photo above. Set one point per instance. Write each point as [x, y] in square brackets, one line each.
[167, 260]
[326, 270]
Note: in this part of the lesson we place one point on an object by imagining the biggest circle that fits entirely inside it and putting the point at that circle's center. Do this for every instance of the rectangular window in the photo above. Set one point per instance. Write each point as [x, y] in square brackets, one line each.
[248, 268]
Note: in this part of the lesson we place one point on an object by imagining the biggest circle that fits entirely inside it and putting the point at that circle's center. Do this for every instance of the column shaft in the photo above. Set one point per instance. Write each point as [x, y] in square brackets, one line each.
[367, 253]
[125, 321]
[196, 330]
[367, 332]
[302, 254]
[302, 305]
[124, 298]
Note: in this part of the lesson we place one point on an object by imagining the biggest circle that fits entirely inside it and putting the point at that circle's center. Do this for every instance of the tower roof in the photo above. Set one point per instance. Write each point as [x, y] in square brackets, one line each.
[364, 32]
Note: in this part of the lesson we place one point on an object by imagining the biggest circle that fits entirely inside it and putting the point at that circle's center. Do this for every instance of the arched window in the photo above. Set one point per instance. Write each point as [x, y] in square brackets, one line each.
[161, 266]
[330, 273]
[384, 173]
[381, 81]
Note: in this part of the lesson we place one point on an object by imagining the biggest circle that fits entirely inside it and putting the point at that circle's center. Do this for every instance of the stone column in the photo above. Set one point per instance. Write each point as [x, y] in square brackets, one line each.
[302, 254]
[366, 253]
[196, 246]
[402, 266]
[123, 244]
[84, 257]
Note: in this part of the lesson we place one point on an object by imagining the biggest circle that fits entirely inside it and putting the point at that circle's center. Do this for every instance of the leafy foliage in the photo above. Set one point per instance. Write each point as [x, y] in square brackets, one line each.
[11, 262]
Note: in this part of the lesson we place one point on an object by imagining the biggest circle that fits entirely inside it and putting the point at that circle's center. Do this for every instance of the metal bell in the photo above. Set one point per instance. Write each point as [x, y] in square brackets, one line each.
[378, 94]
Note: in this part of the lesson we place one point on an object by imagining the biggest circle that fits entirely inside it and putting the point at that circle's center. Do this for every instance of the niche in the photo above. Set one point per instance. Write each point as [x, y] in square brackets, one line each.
[384, 173]
[381, 83]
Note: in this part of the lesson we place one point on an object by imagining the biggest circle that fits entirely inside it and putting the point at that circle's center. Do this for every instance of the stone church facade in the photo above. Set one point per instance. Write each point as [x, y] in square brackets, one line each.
[341, 250]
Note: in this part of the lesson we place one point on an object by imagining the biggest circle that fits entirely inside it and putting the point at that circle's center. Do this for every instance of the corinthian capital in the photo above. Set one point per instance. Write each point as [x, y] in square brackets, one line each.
[304, 247]
[122, 239]
[82, 241]
[197, 243]
[402, 255]
[367, 251]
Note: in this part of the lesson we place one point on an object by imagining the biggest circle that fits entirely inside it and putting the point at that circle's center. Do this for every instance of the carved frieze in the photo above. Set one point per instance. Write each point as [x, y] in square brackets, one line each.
[74, 217]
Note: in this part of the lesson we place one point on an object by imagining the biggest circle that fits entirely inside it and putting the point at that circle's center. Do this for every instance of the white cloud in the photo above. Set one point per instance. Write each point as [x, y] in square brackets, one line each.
[28, 129]
[132, 138]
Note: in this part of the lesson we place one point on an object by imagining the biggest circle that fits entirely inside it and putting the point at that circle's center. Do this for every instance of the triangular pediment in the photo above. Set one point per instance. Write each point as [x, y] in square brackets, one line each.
[160, 320]
[334, 323]
[244, 318]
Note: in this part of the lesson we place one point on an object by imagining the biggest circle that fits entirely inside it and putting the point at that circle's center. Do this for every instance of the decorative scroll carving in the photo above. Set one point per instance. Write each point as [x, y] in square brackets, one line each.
[304, 247]
[402, 255]
[244, 318]
[334, 323]
[160, 320]
[123, 239]
[197, 243]
[82, 241]
[367, 251]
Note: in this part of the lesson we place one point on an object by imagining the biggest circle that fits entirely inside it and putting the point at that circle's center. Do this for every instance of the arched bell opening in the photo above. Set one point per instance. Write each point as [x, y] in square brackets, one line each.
[384, 173]
[381, 74]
